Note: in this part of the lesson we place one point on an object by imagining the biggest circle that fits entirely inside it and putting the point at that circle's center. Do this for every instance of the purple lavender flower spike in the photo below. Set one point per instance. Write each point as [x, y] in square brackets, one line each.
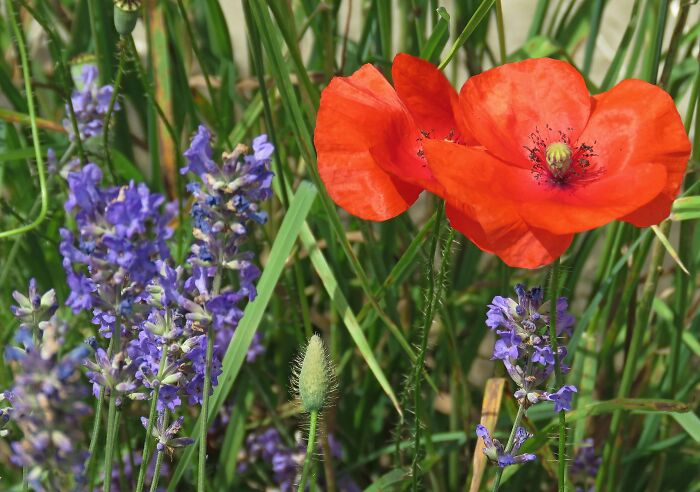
[495, 451]
[47, 406]
[226, 200]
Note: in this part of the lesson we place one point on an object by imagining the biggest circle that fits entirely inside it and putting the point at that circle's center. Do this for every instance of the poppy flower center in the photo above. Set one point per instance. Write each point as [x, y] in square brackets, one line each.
[558, 156]
[557, 162]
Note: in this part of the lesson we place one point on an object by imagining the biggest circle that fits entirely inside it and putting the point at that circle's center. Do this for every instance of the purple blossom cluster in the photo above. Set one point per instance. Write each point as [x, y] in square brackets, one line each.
[121, 234]
[523, 344]
[227, 198]
[90, 103]
[47, 397]
[524, 347]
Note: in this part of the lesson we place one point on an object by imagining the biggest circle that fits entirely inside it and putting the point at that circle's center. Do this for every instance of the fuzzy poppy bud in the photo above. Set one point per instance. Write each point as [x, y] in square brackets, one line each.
[314, 380]
[126, 13]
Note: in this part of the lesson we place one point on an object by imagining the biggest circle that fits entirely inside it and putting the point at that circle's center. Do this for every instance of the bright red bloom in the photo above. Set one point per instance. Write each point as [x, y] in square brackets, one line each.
[369, 139]
[554, 161]
[369, 134]
[524, 157]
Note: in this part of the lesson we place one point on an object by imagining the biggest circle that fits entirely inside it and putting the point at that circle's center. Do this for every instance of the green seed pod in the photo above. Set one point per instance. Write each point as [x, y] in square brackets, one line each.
[126, 13]
[314, 380]
[77, 65]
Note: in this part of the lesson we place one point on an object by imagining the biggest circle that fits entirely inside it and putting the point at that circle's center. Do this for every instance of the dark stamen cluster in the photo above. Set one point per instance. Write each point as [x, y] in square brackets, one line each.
[580, 170]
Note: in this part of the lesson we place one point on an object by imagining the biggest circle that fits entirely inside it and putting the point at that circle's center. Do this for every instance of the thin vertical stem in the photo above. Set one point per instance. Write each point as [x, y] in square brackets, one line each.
[35, 131]
[204, 429]
[112, 423]
[94, 437]
[509, 445]
[110, 108]
[428, 315]
[501, 32]
[553, 297]
[147, 443]
[313, 420]
[156, 472]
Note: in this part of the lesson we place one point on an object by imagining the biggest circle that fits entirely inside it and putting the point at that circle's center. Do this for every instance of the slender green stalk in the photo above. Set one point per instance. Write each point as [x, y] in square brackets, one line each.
[509, 445]
[501, 32]
[313, 420]
[204, 429]
[432, 289]
[112, 421]
[55, 46]
[26, 75]
[553, 296]
[156, 472]
[94, 437]
[147, 443]
[110, 108]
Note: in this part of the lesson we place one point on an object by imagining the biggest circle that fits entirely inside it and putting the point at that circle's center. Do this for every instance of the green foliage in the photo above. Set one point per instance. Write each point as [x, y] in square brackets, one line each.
[363, 286]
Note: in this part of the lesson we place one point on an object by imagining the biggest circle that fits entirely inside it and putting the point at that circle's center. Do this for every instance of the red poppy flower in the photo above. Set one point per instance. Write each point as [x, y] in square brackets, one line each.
[553, 161]
[369, 139]
[368, 135]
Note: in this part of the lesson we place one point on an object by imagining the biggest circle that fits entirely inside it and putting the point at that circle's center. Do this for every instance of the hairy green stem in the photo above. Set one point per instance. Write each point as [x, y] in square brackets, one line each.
[35, 131]
[313, 419]
[553, 296]
[431, 299]
[110, 108]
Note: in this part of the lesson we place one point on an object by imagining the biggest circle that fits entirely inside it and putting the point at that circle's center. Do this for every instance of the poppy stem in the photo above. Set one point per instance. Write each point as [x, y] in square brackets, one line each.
[313, 419]
[553, 296]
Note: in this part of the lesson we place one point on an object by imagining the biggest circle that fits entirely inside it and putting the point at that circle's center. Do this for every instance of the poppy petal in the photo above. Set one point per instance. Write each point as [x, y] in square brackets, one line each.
[578, 206]
[524, 246]
[359, 115]
[637, 122]
[429, 97]
[505, 106]
[491, 221]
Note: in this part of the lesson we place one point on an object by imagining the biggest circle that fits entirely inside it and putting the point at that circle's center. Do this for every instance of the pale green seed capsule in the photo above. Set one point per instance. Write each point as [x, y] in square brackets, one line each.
[126, 13]
[314, 380]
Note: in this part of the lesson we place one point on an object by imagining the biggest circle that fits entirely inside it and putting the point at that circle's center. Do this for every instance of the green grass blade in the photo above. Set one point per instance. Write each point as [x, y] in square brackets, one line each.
[341, 305]
[479, 15]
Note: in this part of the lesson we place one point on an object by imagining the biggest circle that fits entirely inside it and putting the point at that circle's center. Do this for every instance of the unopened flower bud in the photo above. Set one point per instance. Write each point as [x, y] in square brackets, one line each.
[314, 378]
